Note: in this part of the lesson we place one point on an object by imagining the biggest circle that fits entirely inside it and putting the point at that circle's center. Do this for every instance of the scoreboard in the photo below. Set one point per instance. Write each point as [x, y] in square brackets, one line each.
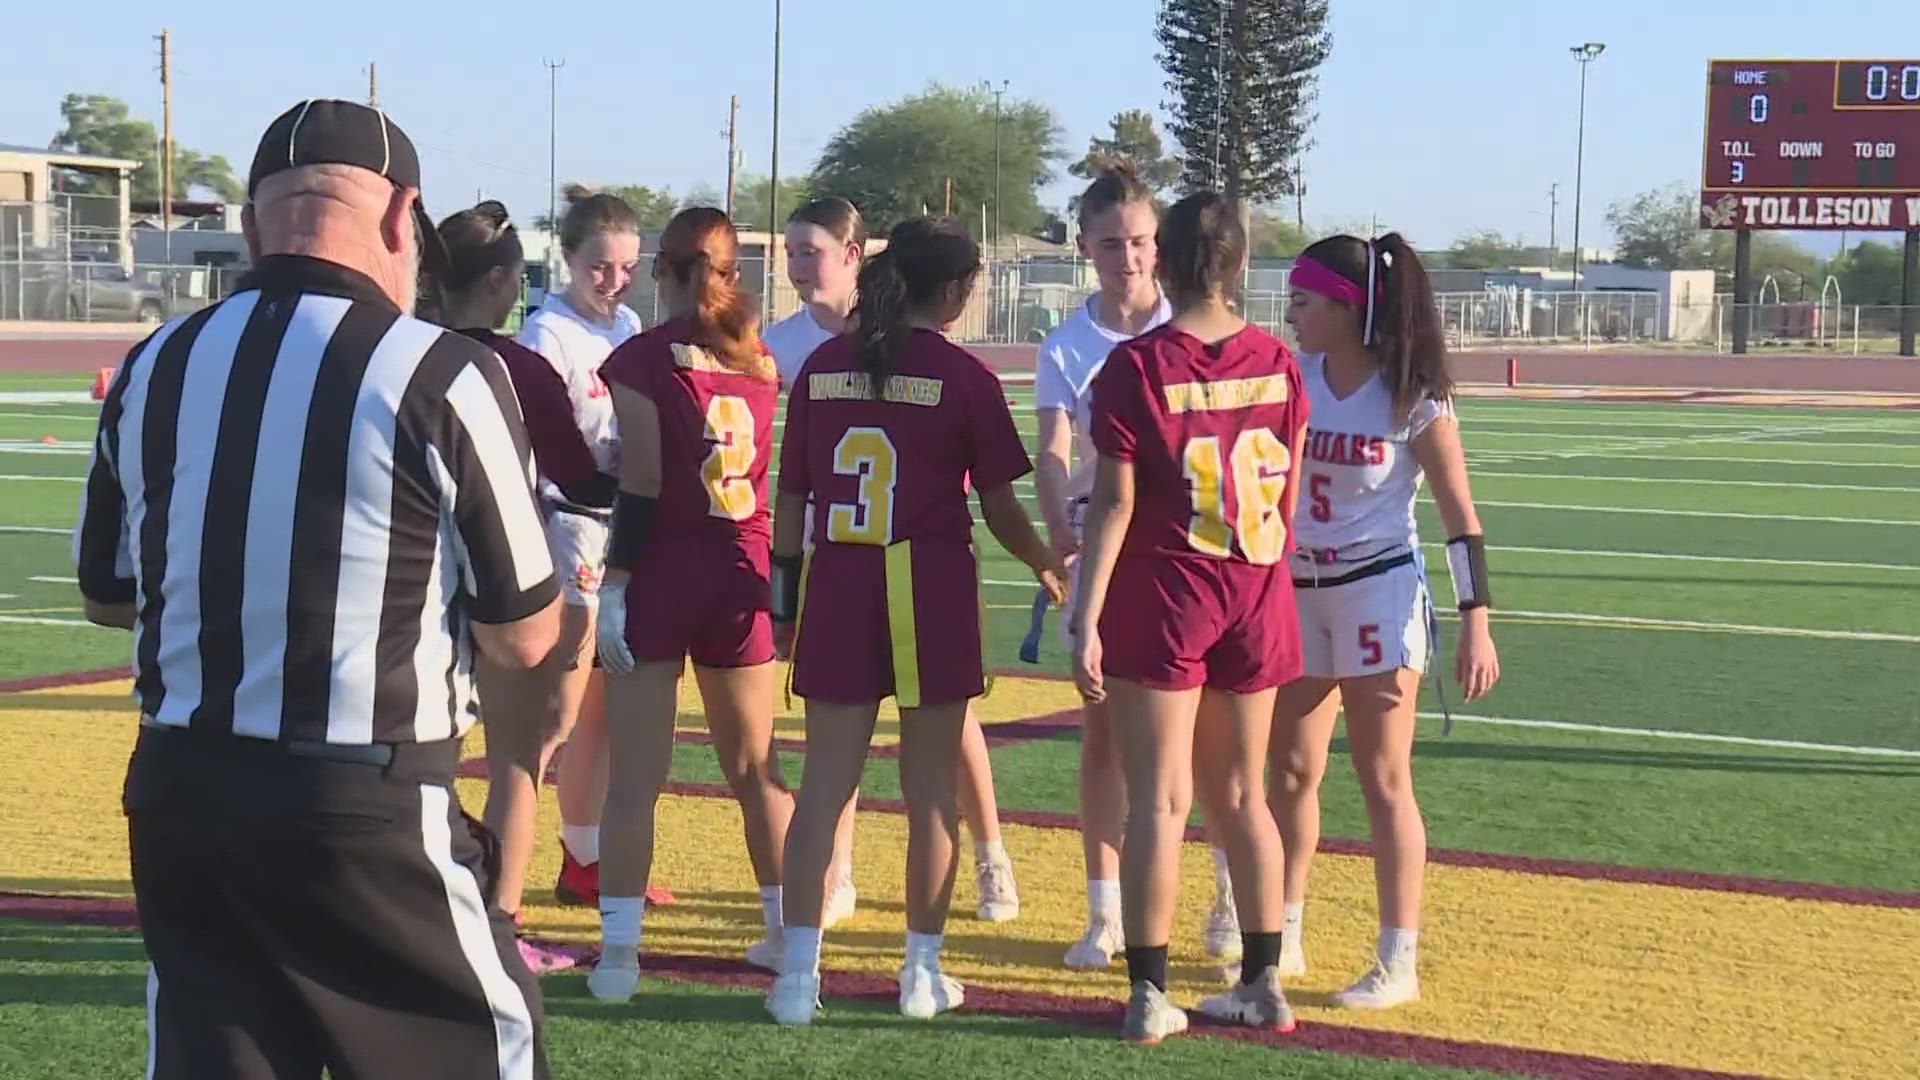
[1812, 144]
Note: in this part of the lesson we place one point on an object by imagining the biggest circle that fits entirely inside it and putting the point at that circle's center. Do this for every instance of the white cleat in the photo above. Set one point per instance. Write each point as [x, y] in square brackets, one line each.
[768, 953]
[841, 901]
[1097, 946]
[1222, 936]
[1259, 1004]
[926, 993]
[615, 978]
[1150, 1016]
[999, 898]
[1293, 958]
[1387, 984]
[794, 999]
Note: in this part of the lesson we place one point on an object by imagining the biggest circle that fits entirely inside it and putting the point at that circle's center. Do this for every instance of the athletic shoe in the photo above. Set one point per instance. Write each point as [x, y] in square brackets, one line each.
[579, 883]
[999, 898]
[615, 976]
[926, 993]
[1150, 1016]
[545, 959]
[795, 998]
[841, 901]
[1258, 1004]
[1097, 946]
[1293, 957]
[1222, 937]
[768, 953]
[1386, 984]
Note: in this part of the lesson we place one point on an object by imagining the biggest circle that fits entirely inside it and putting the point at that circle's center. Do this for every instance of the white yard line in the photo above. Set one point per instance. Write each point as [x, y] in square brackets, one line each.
[1697, 513]
[41, 620]
[37, 530]
[1685, 736]
[1759, 461]
[46, 397]
[56, 479]
[45, 580]
[1693, 480]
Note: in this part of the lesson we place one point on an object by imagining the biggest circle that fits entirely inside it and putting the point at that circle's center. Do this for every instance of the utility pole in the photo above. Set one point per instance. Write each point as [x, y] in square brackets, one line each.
[373, 85]
[773, 182]
[1585, 54]
[1553, 223]
[997, 93]
[553, 178]
[166, 141]
[1300, 196]
[733, 149]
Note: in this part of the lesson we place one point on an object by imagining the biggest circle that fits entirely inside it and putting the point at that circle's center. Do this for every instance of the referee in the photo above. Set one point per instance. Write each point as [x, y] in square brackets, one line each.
[311, 508]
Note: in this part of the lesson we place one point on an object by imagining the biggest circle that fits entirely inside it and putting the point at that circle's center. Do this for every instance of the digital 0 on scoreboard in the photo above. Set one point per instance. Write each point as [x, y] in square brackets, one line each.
[1812, 144]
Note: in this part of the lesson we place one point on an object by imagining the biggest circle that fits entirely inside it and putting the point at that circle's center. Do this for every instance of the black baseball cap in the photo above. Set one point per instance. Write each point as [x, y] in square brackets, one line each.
[328, 131]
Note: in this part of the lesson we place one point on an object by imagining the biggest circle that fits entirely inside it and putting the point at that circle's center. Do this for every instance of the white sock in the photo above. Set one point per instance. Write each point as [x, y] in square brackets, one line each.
[1396, 943]
[770, 906]
[1103, 900]
[803, 949]
[989, 851]
[1222, 878]
[1296, 914]
[620, 918]
[923, 950]
[582, 842]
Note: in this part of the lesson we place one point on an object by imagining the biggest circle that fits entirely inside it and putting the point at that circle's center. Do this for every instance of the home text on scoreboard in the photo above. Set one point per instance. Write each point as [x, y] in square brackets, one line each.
[1812, 144]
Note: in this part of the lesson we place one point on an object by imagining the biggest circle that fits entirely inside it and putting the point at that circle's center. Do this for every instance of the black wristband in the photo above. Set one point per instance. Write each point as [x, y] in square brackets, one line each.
[632, 526]
[1467, 565]
[784, 579]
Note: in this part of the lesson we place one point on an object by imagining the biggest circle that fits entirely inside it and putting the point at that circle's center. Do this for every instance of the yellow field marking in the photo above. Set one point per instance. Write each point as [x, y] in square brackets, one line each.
[1637, 973]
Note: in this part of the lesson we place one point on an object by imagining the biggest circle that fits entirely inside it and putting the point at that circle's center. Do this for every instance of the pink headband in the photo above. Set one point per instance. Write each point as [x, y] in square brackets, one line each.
[1311, 275]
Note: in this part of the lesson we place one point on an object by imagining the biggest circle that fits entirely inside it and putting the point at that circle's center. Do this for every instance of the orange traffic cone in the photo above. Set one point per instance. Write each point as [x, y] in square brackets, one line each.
[101, 380]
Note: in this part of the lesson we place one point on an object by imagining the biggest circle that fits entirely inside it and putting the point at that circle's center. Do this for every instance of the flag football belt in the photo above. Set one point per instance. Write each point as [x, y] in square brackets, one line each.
[601, 514]
[1360, 573]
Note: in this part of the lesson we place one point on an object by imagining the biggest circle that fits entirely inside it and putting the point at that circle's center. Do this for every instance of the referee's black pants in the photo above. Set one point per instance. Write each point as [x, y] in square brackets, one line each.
[303, 914]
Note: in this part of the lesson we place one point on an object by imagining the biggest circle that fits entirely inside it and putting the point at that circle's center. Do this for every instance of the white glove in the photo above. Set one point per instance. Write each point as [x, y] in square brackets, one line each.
[610, 630]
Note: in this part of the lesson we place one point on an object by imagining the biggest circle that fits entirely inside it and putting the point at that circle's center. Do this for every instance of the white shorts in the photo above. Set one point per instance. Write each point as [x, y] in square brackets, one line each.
[1364, 627]
[579, 547]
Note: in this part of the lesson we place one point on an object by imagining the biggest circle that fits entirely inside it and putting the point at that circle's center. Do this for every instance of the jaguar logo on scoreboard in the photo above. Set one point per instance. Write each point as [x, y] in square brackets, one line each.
[1812, 144]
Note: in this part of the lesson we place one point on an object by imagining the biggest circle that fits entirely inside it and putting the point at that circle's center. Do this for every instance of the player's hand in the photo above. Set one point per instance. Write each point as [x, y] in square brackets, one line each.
[1087, 675]
[783, 640]
[1053, 578]
[610, 630]
[1476, 665]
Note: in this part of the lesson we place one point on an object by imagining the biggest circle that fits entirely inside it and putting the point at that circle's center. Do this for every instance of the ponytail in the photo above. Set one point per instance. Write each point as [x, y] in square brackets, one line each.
[881, 325]
[925, 262]
[699, 251]
[1407, 333]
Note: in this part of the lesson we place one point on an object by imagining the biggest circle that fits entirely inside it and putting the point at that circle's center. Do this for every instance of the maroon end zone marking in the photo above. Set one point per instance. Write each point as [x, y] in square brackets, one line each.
[1093, 1013]
[60, 354]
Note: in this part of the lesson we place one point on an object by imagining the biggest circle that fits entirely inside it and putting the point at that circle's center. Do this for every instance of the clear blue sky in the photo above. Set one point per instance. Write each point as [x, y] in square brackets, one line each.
[1438, 116]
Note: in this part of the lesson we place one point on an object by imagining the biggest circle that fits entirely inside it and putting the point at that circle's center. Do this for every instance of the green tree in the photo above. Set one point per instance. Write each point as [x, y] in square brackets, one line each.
[1133, 140]
[751, 210]
[1869, 273]
[1243, 77]
[1661, 229]
[1485, 249]
[654, 207]
[1274, 235]
[98, 124]
[895, 161]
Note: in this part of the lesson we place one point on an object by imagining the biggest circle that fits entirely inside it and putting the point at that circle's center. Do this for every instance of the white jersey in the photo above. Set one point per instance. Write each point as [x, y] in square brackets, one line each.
[1360, 477]
[1063, 379]
[576, 347]
[792, 340]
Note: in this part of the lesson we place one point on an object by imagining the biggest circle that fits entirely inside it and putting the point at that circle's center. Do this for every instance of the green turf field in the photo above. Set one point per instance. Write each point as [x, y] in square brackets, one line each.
[1708, 620]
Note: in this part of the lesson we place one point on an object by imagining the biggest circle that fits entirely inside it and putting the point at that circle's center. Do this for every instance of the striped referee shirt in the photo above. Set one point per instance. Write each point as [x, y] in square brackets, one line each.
[307, 495]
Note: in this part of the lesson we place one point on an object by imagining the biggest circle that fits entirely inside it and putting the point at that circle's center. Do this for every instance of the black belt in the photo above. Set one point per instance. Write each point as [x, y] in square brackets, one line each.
[428, 755]
[1361, 573]
[601, 514]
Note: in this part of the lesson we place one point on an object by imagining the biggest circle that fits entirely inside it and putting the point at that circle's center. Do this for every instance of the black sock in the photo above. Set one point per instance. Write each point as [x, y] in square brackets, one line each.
[1258, 952]
[1149, 964]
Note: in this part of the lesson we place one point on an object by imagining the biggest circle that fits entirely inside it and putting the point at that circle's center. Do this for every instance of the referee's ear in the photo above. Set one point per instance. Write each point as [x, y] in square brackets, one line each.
[396, 221]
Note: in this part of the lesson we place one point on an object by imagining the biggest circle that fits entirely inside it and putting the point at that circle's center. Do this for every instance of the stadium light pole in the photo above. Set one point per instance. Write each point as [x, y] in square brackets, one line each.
[1586, 54]
[773, 183]
[553, 177]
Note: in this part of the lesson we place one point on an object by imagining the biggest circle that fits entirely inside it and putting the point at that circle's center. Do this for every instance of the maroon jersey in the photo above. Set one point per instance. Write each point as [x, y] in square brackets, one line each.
[559, 450]
[1210, 431]
[895, 468]
[716, 432]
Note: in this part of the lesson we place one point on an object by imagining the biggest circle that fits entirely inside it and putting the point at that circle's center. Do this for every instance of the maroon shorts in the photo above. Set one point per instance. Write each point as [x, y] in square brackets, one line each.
[703, 598]
[900, 622]
[1173, 623]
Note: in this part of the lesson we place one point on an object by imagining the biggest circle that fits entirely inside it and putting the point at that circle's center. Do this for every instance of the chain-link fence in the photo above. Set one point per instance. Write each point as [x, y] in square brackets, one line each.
[99, 290]
[64, 228]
